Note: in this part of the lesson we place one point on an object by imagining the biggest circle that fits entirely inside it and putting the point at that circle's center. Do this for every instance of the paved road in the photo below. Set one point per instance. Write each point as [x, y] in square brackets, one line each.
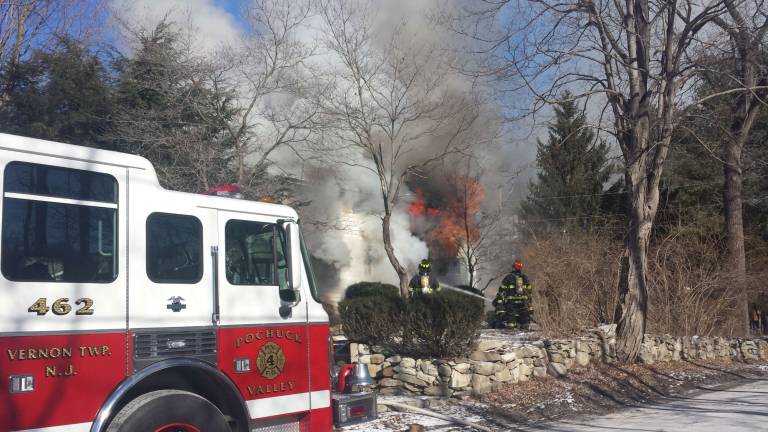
[735, 409]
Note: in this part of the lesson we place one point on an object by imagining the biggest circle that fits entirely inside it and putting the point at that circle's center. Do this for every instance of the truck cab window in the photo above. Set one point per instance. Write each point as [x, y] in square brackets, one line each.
[255, 254]
[174, 248]
[59, 224]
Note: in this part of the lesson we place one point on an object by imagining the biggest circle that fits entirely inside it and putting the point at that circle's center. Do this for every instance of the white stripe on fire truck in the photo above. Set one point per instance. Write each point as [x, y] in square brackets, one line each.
[277, 405]
[84, 427]
[59, 200]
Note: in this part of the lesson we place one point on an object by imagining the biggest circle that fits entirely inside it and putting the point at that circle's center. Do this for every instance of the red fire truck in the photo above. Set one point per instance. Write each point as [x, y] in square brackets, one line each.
[127, 307]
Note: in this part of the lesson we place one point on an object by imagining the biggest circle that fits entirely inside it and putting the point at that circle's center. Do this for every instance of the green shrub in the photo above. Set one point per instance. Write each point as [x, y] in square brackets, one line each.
[371, 289]
[445, 324]
[371, 313]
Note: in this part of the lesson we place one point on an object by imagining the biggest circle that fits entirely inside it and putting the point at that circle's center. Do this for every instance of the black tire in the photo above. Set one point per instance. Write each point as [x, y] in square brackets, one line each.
[150, 412]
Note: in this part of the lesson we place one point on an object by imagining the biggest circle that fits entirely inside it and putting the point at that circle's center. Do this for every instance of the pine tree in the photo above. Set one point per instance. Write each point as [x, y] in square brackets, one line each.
[63, 94]
[573, 170]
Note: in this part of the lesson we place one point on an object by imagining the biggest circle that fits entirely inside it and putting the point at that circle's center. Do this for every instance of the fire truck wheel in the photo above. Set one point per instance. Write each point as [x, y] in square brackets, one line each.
[169, 411]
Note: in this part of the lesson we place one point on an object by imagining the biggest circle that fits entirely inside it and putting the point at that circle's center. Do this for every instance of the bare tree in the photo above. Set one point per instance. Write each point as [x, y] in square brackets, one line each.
[632, 58]
[25, 24]
[470, 227]
[207, 118]
[274, 88]
[393, 105]
[746, 24]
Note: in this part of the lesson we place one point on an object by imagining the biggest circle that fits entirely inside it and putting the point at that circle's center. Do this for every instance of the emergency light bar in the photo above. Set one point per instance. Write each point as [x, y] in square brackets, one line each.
[228, 190]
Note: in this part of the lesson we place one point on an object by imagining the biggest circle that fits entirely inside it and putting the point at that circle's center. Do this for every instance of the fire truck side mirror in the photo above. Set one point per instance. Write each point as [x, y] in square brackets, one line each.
[294, 261]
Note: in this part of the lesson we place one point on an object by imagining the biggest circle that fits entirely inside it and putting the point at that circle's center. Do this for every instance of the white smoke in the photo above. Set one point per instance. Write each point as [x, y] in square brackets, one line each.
[344, 230]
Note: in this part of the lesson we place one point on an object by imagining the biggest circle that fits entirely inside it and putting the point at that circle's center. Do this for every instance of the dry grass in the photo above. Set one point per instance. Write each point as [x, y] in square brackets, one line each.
[575, 277]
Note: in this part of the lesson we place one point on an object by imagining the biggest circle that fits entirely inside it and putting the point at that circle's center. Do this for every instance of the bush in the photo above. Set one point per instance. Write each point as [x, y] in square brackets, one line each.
[445, 324]
[371, 289]
[371, 313]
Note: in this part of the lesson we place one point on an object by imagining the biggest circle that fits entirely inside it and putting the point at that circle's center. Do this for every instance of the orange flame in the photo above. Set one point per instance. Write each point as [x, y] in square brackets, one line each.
[456, 226]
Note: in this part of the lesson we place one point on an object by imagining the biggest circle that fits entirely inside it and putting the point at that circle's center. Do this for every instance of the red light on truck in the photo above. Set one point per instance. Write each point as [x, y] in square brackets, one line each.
[229, 190]
[357, 411]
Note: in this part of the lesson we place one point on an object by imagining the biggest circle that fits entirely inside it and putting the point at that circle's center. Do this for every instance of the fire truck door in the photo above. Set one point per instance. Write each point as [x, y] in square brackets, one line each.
[171, 266]
[264, 351]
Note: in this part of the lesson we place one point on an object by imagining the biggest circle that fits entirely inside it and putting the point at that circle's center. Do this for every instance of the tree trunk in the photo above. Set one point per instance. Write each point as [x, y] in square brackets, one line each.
[632, 307]
[399, 269]
[734, 222]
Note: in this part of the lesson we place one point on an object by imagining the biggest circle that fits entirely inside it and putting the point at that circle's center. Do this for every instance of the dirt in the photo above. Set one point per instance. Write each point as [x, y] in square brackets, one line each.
[604, 388]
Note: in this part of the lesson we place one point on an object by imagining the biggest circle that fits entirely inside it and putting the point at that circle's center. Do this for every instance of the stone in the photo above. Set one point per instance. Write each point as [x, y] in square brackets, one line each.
[569, 363]
[515, 373]
[412, 388]
[582, 358]
[411, 379]
[390, 391]
[378, 349]
[388, 372]
[539, 362]
[364, 359]
[462, 367]
[484, 356]
[429, 379]
[428, 368]
[557, 369]
[646, 358]
[556, 357]
[489, 345]
[433, 391]
[395, 359]
[539, 372]
[530, 351]
[503, 376]
[402, 370]
[508, 357]
[374, 370]
[408, 362]
[484, 368]
[376, 358]
[353, 352]
[481, 384]
[525, 370]
[459, 380]
[389, 382]
[363, 349]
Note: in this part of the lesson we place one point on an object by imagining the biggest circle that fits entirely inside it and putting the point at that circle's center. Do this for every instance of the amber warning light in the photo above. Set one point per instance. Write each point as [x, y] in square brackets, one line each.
[226, 190]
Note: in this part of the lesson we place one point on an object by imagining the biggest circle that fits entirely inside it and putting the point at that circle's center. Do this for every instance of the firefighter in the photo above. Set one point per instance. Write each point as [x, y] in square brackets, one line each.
[513, 300]
[424, 282]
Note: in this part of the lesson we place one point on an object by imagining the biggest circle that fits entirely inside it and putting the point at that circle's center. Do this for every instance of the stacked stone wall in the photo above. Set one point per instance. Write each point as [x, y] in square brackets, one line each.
[495, 363]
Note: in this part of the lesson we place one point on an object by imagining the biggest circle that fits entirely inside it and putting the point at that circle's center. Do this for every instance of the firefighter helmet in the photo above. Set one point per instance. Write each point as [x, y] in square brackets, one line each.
[425, 266]
[518, 265]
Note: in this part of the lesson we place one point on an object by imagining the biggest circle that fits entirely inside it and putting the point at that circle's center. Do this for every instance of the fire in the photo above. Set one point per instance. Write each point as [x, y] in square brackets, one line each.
[418, 207]
[455, 226]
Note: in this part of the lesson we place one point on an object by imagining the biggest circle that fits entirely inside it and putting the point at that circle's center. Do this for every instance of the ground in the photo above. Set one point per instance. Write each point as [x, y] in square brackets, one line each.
[681, 396]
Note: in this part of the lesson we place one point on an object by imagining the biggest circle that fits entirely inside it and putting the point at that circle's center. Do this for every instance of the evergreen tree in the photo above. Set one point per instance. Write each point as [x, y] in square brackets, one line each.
[62, 95]
[170, 110]
[573, 170]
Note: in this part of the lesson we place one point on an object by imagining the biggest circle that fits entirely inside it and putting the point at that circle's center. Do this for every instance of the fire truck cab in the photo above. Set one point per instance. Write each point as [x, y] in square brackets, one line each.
[128, 307]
